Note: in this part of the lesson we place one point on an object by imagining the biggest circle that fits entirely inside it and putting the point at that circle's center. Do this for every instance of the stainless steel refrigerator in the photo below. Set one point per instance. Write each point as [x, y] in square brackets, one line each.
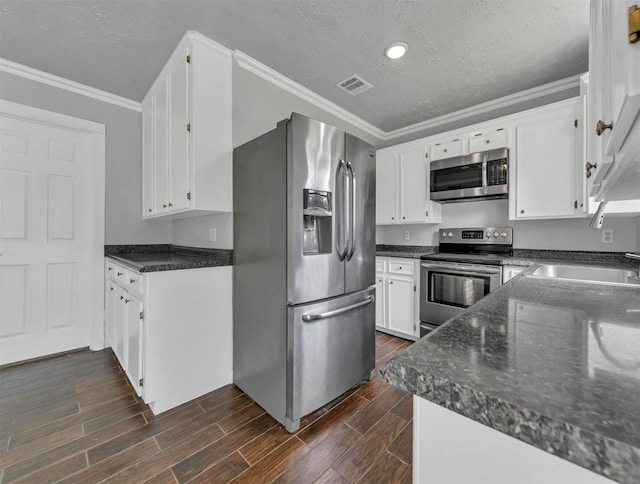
[304, 267]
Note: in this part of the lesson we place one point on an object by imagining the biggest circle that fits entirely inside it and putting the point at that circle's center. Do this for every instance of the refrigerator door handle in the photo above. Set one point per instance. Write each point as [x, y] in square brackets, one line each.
[341, 215]
[352, 206]
[307, 318]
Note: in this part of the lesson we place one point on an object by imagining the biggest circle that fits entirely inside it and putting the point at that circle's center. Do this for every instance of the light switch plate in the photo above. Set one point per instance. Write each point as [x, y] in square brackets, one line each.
[607, 236]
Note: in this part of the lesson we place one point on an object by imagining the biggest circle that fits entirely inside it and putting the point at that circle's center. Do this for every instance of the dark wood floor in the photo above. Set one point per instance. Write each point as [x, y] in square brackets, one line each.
[75, 418]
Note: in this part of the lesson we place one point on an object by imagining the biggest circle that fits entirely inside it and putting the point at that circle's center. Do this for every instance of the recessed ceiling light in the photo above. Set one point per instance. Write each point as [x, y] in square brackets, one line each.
[395, 51]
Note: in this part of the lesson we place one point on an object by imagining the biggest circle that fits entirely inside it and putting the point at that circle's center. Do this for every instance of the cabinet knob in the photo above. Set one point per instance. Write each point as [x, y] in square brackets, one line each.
[590, 166]
[390, 282]
[445, 150]
[393, 218]
[426, 213]
[399, 268]
[150, 210]
[111, 288]
[126, 301]
[403, 217]
[164, 205]
[121, 298]
[119, 274]
[170, 204]
[131, 281]
[109, 268]
[522, 211]
[601, 127]
[488, 141]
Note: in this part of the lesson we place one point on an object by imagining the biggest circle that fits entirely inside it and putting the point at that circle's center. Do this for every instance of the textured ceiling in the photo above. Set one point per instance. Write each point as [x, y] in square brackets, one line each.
[461, 52]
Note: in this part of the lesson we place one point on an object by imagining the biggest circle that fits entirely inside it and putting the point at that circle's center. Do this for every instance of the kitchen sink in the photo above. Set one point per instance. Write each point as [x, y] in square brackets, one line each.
[588, 274]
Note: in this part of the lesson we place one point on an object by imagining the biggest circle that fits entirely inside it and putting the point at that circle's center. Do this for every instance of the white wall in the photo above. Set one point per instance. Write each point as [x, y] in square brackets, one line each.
[258, 106]
[564, 234]
[123, 222]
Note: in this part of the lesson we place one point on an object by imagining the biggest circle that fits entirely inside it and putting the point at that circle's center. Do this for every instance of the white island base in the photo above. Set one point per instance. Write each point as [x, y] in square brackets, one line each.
[449, 448]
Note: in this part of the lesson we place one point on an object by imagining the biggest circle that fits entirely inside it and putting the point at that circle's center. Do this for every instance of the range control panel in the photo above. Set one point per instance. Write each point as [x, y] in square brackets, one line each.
[483, 235]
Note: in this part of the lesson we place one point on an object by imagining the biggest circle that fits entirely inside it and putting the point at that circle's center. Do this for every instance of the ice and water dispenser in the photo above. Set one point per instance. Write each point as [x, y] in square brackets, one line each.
[317, 215]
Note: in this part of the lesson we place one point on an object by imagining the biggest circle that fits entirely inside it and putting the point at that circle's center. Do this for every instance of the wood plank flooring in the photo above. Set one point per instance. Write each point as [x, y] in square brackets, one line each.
[75, 418]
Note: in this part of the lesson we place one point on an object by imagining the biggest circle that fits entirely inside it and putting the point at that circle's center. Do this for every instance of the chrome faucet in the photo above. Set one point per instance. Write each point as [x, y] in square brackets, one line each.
[635, 257]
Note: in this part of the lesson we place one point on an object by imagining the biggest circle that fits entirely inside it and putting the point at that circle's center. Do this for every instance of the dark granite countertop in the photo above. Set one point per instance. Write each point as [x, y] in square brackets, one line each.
[553, 363]
[405, 251]
[167, 257]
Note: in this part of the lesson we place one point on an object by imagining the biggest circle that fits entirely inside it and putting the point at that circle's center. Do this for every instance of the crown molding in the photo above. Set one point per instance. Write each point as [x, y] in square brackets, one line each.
[489, 106]
[274, 77]
[62, 83]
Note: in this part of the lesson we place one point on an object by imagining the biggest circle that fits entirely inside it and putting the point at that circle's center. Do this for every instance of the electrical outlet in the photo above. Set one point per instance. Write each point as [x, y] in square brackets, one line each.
[407, 235]
[607, 236]
[212, 235]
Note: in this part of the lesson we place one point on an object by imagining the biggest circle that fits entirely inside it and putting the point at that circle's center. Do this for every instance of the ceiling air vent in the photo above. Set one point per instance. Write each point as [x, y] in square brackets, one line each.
[354, 85]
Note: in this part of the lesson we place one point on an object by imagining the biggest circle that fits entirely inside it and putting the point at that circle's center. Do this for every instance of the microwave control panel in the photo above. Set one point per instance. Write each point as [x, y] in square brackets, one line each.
[497, 172]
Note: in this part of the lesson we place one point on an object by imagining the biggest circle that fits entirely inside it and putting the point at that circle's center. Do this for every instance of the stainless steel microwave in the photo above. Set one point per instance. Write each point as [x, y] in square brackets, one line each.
[478, 176]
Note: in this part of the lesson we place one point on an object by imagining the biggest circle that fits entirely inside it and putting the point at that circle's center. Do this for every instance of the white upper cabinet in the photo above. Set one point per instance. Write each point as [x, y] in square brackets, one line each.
[402, 187]
[613, 125]
[545, 166]
[458, 143]
[187, 144]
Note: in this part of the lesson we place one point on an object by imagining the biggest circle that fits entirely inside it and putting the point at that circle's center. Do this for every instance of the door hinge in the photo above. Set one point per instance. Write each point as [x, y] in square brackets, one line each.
[188, 59]
[188, 195]
[189, 127]
[634, 24]
[575, 123]
[141, 382]
[414, 288]
[575, 204]
[141, 314]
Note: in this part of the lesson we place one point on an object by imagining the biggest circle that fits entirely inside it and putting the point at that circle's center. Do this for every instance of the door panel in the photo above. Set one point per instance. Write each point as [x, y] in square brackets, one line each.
[46, 232]
[400, 305]
[314, 150]
[134, 341]
[329, 356]
[360, 268]
[161, 138]
[179, 117]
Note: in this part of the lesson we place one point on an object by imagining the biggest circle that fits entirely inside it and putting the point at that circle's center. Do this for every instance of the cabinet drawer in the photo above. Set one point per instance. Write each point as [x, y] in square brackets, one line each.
[381, 265]
[110, 270]
[488, 140]
[446, 150]
[401, 268]
[135, 281]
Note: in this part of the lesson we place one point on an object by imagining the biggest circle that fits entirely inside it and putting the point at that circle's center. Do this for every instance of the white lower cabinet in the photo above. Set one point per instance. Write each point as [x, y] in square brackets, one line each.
[171, 331]
[397, 282]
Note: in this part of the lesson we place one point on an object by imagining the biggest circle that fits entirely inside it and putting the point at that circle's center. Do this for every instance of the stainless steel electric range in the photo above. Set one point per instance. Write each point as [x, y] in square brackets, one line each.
[466, 268]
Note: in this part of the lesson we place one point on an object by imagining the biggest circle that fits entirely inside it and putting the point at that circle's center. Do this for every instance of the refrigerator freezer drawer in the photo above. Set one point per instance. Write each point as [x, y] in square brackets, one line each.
[332, 349]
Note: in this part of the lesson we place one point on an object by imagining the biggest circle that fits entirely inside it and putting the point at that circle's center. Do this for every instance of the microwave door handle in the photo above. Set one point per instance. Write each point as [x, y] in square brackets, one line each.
[352, 204]
[485, 184]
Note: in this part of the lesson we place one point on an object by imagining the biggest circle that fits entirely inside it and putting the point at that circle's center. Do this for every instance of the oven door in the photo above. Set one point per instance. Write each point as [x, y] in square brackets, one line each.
[446, 288]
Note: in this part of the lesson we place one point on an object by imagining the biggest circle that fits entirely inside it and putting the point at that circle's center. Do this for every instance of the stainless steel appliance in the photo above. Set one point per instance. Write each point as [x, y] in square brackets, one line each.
[304, 266]
[478, 176]
[466, 268]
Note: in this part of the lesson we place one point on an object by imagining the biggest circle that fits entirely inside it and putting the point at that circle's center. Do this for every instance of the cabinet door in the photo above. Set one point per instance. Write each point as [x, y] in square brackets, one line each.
[547, 180]
[413, 184]
[148, 156]
[161, 145]
[380, 297]
[179, 135]
[488, 140]
[133, 367]
[110, 312]
[385, 189]
[400, 299]
[120, 326]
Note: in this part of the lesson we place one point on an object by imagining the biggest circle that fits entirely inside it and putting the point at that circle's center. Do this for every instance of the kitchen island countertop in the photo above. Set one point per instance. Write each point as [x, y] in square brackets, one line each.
[553, 363]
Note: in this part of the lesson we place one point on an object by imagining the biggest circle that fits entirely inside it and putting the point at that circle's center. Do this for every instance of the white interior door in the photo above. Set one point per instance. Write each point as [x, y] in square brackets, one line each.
[47, 235]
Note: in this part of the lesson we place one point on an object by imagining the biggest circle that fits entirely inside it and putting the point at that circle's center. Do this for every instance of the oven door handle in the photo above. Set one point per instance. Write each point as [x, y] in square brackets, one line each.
[461, 271]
